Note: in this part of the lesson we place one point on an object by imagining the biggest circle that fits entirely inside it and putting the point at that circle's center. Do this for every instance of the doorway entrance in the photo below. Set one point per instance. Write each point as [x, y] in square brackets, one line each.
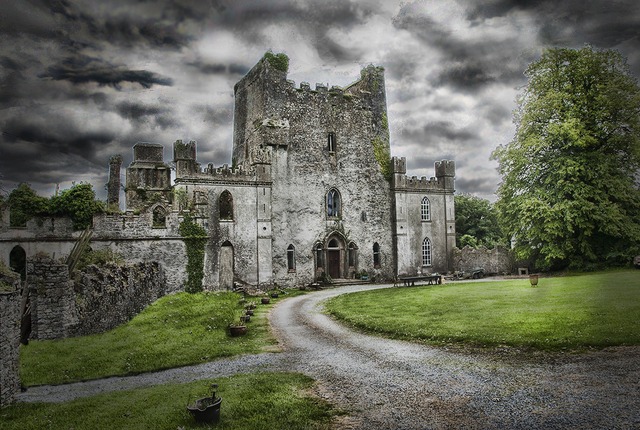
[226, 266]
[335, 258]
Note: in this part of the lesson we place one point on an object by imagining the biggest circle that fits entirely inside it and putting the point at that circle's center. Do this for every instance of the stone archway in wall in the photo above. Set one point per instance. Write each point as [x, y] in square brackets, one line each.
[226, 266]
[335, 260]
[18, 261]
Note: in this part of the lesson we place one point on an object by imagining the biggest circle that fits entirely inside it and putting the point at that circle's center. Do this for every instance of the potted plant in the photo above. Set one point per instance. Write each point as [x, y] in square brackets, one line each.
[238, 329]
[207, 409]
[265, 300]
[534, 280]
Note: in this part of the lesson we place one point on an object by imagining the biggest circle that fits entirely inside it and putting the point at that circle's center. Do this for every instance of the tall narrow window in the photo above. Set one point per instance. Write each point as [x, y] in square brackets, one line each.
[226, 205]
[331, 142]
[333, 203]
[376, 255]
[426, 252]
[291, 258]
[425, 209]
[318, 250]
[352, 254]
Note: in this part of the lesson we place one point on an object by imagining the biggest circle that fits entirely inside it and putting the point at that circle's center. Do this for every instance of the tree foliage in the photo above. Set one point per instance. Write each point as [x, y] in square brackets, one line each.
[569, 194]
[25, 203]
[78, 203]
[477, 223]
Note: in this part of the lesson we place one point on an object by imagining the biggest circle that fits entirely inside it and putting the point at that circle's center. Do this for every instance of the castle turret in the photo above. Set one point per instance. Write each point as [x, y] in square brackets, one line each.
[148, 178]
[184, 156]
[113, 186]
[446, 172]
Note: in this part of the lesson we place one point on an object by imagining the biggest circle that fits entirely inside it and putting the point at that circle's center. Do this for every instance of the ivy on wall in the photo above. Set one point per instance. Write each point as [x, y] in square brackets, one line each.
[195, 239]
[381, 152]
[278, 61]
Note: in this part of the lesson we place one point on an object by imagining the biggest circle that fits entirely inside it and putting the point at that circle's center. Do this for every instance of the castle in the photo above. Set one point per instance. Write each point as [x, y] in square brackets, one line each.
[312, 193]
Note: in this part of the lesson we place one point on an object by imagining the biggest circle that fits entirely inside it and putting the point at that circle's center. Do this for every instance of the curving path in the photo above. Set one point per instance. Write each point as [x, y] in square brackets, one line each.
[390, 384]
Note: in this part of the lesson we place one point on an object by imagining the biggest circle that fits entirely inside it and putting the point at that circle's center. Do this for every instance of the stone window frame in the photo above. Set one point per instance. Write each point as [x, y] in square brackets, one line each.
[225, 206]
[159, 217]
[318, 250]
[376, 255]
[333, 201]
[425, 209]
[331, 142]
[352, 255]
[291, 258]
[427, 254]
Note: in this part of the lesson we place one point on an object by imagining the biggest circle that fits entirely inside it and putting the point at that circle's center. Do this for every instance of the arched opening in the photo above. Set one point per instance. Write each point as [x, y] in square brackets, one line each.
[425, 209]
[335, 257]
[318, 255]
[291, 258]
[18, 261]
[159, 217]
[426, 252]
[353, 255]
[226, 205]
[334, 204]
[226, 266]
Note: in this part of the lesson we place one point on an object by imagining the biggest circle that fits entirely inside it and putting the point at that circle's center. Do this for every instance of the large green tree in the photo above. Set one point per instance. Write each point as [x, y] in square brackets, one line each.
[25, 203]
[569, 194]
[477, 223]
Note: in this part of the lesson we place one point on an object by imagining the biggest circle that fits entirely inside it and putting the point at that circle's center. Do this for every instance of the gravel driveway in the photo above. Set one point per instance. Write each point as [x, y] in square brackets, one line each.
[387, 384]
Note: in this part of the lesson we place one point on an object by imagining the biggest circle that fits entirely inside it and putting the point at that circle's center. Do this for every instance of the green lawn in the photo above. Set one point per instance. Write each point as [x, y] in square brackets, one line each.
[591, 310]
[256, 401]
[176, 330]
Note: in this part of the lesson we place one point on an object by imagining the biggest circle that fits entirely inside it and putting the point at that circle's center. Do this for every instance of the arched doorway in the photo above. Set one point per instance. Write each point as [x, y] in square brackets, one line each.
[226, 266]
[18, 261]
[335, 257]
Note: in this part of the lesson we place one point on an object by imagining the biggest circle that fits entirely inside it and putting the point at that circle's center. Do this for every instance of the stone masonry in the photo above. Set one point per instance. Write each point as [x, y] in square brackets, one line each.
[9, 335]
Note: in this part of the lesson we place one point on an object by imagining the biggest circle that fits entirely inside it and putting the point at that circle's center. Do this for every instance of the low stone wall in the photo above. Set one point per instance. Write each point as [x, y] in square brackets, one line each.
[498, 260]
[97, 300]
[9, 336]
[111, 295]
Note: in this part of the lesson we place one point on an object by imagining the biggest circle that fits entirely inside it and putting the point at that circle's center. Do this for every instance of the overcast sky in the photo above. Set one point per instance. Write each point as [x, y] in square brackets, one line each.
[83, 80]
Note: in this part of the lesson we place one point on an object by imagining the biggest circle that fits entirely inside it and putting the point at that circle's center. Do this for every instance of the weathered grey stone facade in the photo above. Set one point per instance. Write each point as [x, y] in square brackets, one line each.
[312, 191]
[9, 337]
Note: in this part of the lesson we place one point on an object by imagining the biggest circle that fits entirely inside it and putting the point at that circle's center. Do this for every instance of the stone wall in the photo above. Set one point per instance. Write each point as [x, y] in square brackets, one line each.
[99, 298]
[9, 336]
[52, 300]
[498, 260]
[111, 295]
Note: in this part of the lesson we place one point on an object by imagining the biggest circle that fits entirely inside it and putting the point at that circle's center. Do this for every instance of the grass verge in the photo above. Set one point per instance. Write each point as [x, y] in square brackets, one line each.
[253, 401]
[575, 312]
[176, 330]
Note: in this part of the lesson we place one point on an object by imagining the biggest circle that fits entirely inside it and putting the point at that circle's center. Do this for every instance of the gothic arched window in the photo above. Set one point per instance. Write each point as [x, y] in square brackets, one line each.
[425, 209]
[334, 206]
[159, 217]
[226, 205]
[318, 251]
[426, 252]
[291, 258]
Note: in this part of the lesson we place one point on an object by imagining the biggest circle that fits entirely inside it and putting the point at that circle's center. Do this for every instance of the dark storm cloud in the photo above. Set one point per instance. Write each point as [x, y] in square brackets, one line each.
[476, 185]
[143, 114]
[438, 131]
[83, 69]
[219, 68]
[465, 76]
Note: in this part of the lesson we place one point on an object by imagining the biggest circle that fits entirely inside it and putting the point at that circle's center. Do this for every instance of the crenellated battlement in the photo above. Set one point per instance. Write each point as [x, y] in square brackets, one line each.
[443, 181]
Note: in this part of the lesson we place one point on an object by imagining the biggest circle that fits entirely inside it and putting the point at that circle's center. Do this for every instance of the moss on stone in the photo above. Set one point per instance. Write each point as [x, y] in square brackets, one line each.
[381, 152]
[277, 61]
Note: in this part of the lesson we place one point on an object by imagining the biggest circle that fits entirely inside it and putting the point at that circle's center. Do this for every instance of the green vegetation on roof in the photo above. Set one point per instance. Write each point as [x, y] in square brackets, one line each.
[278, 61]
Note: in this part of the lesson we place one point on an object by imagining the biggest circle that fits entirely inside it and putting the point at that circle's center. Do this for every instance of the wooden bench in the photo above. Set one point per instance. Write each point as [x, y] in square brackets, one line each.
[410, 281]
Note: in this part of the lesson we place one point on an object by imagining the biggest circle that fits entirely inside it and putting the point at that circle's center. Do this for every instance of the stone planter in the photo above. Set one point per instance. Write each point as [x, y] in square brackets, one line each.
[265, 300]
[534, 280]
[206, 410]
[237, 330]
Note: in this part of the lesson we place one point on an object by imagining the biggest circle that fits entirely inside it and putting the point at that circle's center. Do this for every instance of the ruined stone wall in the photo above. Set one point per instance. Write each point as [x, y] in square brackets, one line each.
[9, 336]
[498, 260]
[98, 299]
[108, 296]
[52, 300]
